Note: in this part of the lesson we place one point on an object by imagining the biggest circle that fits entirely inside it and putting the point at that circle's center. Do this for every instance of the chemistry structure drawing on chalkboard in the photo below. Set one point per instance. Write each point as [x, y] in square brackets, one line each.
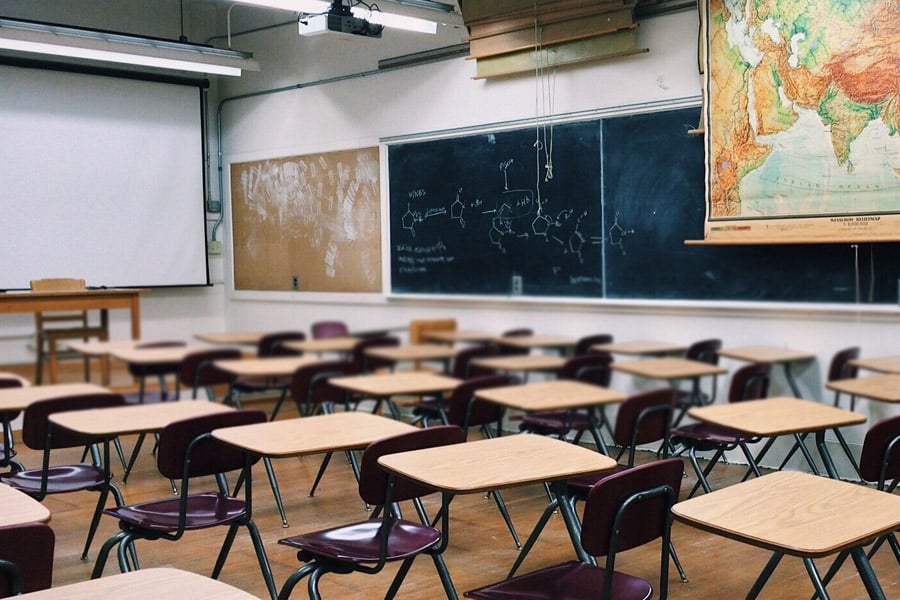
[516, 213]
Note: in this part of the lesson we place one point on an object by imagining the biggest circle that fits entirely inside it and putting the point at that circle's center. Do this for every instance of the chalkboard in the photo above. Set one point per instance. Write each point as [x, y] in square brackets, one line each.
[483, 215]
[627, 191]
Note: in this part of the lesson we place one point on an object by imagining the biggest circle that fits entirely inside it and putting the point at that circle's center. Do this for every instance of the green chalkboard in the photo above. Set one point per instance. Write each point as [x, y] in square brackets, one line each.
[468, 215]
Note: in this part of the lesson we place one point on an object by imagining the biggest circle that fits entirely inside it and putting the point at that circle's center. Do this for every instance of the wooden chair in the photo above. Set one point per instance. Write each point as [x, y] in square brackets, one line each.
[55, 326]
[419, 327]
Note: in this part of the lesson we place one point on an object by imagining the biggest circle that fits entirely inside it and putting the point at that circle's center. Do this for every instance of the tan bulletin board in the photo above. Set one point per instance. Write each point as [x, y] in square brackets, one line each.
[308, 223]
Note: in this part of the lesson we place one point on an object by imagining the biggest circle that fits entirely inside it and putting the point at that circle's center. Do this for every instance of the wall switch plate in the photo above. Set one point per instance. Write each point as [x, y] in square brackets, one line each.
[214, 247]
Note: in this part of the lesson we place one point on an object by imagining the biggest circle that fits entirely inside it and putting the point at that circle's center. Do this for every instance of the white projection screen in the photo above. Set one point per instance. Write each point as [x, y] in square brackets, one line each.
[101, 178]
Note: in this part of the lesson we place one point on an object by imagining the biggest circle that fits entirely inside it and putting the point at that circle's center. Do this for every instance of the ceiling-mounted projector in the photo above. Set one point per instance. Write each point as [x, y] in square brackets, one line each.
[338, 19]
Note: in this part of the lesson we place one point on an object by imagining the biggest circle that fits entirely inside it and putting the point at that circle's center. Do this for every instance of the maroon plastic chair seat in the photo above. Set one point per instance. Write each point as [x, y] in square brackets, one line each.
[367, 546]
[329, 329]
[64, 479]
[187, 451]
[622, 511]
[26, 558]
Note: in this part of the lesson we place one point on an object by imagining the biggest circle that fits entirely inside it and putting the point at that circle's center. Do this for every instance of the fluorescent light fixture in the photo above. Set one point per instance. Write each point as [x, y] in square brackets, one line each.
[376, 16]
[86, 44]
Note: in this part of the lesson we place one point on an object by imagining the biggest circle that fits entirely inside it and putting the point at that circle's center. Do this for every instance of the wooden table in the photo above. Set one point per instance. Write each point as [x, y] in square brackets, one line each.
[883, 388]
[228, 338]
[384, 386]
[102, 300]
[640, 348]
[414, 353]
[520, 363]
[340, 345]
[668, 368]
[560, 394]
[144, 584]
[459, 336]
[771, 355]
[499, 463]
[266, 366]
[797, 514]
[20, 508]
[553, 342]
[774, 417]
[885, 364]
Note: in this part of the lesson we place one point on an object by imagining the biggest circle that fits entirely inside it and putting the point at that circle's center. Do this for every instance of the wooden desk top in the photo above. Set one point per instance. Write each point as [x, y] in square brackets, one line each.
[795, 513]
[333, 344]
[560, 394]
[885, 364]
[13, 399]
[776, 416]
[536, 341]
[152, 356]
[668, 368]
[19, 508]
[413, 352]
[145, 584]
[496, 463]
[98, 348]
[640, 347]
[400, 383]
[766, 354]
[240, 338]
[462, 336]
[269, 366]
[521, 362]
[312, 435]
[134, 418]
[884, 388]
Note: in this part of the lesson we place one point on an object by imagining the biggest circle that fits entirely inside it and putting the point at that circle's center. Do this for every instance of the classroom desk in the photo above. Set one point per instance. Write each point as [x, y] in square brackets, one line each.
[339, 345]
[144, 584]
[229, 338]
[458, 336]
[774, 417]
[551, 342]
[797, 514]
[101, 350]
[384, 386]
[499, 463]
[771, 355]
[260, 368]
[883, 388]
[556, 395]
[102, 300]
[520, 363]
[414, 353]
[20, 508]
[884, 364]
[641, 348]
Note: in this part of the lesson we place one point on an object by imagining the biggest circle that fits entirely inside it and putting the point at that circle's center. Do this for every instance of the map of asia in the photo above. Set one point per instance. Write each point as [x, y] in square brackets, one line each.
[803, 120]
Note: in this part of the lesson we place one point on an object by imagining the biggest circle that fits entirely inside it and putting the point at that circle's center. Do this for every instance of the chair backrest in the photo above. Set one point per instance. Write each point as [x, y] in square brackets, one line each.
[879, 459]
[271, 343]
[197, 369]
[309, 384]
[593, 368]
[644, 418]
[506, 349]
[462, 369]
[11, 381]
[207, 456]
[367, 364]
[418, 328]
[464, 410]
[705, 350]
[34, 422]
[840, 367]
[750, 382]
[583, 345]
[329, 329]
[630, 508]
[27, 548]
[373, 479]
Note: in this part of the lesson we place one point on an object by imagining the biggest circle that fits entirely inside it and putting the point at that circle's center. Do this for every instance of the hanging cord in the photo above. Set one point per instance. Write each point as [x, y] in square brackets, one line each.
[538, 97]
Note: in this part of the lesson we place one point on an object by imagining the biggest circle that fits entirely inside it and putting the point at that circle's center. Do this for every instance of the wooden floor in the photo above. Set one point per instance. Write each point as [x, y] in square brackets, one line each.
[481, 549]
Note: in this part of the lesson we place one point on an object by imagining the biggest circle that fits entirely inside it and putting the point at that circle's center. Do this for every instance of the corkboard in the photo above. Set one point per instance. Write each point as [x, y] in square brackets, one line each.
[308, 223]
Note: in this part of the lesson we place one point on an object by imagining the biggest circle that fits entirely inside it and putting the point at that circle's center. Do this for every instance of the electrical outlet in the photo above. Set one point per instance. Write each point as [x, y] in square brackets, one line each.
[295, 283]
[214, 247]
[516, 285]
